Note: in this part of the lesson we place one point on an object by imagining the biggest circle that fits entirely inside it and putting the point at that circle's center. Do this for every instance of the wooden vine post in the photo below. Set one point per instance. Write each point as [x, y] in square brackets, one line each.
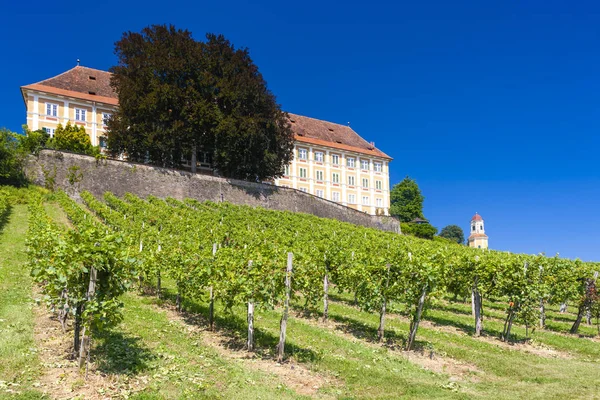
[380, 330]
[211, 304]
[84, 348]
[542, 305]
[286, 306]
[326, 291]
[414, 324]
[590, 285]
[250, 318]
[158, 280]
[477, 307]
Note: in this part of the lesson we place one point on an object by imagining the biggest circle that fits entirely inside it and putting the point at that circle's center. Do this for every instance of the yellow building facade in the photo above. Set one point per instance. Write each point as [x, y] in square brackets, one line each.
[333, 162]
[81, 96]
[330, 160]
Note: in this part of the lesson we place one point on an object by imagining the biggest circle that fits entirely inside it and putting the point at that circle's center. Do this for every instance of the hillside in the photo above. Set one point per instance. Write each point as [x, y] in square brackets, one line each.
[158, 352]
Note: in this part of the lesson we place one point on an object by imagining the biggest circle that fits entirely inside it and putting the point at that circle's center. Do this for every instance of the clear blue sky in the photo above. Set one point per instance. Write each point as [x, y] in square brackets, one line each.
[492, 107]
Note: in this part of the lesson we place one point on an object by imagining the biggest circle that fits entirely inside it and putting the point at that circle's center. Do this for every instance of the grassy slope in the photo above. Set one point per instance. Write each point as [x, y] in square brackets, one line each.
[19, 363]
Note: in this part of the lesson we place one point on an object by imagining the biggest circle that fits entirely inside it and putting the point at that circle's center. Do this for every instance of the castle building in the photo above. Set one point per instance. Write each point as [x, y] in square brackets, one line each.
[330, 160]
[478, 238]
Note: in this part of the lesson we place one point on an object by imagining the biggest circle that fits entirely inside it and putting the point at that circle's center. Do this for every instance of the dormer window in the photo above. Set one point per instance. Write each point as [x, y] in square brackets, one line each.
[92, 93]
[92, 78]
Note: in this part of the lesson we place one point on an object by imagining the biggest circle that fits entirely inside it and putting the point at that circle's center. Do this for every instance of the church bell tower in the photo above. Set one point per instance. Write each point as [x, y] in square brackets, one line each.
[478, 238]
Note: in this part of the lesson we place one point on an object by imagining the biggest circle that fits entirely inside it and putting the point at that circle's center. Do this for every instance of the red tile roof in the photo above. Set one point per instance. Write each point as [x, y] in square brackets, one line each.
[476, 217]
[82, 80]
[316, 131]
[94, 85]
[476, 235]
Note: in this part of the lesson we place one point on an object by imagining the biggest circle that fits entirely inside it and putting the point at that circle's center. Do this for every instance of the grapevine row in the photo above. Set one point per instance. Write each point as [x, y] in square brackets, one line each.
[238, 254]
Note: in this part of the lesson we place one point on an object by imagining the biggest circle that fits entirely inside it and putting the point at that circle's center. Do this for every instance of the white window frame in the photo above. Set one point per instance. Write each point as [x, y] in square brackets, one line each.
[365, 182]
[335, 177]
[303, 172]
[350, 162]
[319, 156]
[302, 154]
[105, 117]
[377, 167]
[362, 164]
[49, 131]
[319, 175]
[335, 159]
[303, 189]
[378, 185]
[365, 200]
[320, 193]
[80, 114]
[286, 170]
[351, 198]
[335, 196]
[53, 108]
[351, 180]
[379, 202]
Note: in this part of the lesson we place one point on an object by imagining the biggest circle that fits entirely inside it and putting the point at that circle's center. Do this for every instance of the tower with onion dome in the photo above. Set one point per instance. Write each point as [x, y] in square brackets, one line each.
[478, 238]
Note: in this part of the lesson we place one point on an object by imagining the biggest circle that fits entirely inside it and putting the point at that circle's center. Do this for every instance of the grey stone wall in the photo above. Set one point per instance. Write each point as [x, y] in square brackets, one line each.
[74, 172]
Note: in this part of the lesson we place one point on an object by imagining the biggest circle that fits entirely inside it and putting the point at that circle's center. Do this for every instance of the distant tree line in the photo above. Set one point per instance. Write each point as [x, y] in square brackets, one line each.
[406, 204]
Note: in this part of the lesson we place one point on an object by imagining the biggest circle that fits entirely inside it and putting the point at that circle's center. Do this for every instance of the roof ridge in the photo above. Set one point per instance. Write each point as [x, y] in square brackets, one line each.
[94, 69]
[55, 76]
[322, 120]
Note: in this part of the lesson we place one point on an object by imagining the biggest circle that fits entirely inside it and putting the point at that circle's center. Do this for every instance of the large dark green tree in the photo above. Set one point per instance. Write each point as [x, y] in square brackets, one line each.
[454, 233]
[179, 96]
[406, 200]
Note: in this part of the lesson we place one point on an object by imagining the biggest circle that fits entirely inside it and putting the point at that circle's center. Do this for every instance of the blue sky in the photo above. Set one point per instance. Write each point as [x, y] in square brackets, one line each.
[491, 106]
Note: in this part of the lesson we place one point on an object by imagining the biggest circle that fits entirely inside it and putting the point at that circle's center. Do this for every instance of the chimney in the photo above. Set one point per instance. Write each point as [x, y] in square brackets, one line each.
[371, 145]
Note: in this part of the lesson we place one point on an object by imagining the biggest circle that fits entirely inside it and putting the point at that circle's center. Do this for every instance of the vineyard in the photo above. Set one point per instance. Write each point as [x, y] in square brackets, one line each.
[276, 267]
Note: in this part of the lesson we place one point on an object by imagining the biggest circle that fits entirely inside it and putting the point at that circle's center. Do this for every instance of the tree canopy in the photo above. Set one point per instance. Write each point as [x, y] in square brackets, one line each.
[11, 158]
[454, 233]
[72, 138]
[406, 200]
[423, 231]
[179, 96]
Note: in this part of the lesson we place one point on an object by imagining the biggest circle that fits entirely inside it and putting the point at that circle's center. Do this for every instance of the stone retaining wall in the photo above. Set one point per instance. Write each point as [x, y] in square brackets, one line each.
[74, 172]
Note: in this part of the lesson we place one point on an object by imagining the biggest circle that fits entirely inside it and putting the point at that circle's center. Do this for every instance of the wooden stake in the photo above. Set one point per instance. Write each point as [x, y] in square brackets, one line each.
[477, 307]
[84, 348]
[286, 306]
[250, 319]
[380, 330]
[325, 293]
[414, 324]
[211, 304]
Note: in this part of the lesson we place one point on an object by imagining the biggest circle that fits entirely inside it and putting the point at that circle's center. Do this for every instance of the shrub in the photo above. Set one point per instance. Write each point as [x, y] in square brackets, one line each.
[424, 231]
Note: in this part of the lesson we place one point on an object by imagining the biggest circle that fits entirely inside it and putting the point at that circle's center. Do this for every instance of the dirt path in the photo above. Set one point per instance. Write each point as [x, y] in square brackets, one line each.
[60, 377]
[291, 374]
[457, 370]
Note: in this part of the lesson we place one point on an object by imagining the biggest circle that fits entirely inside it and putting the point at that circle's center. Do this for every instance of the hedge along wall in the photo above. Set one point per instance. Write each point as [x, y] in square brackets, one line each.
[75, 172]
